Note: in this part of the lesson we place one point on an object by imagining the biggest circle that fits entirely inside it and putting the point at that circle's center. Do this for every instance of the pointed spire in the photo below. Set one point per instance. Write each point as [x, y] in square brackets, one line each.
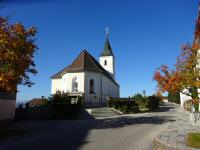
[107, 51]
[197, 29]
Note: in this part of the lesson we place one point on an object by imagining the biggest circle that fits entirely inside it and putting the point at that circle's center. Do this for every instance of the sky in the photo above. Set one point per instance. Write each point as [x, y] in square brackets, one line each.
[144, 34]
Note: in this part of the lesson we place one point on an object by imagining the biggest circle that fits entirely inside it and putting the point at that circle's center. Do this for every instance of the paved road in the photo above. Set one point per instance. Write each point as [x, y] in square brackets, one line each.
[126, 132]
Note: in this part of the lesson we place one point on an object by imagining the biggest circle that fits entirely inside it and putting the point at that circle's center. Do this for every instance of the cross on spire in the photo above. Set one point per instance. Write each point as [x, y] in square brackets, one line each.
[107, 31]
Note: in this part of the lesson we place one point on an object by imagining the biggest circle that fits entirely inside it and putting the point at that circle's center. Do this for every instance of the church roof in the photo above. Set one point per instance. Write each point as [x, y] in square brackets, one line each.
[107, 51]
[84, 62]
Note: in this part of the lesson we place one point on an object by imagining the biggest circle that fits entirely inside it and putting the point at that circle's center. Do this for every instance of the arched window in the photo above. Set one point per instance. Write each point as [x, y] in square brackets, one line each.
[92, 86]
[105, 62]
[74, 84]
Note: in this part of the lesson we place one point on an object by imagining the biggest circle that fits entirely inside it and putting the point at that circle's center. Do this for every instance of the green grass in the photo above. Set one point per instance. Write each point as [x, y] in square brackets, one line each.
[193, 140]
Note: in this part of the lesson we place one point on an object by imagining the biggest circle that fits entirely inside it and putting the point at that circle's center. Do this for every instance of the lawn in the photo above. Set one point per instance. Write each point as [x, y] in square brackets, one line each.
[193, 140]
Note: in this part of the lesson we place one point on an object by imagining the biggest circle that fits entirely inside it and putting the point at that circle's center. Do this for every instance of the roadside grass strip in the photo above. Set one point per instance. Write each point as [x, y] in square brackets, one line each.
[193, 140]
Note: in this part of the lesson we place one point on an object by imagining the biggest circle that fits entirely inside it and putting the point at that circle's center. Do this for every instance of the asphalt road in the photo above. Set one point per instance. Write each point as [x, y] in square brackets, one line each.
[125, 132]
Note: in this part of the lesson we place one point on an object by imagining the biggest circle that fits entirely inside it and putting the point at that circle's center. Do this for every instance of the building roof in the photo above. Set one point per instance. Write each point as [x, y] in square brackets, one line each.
[107, 51]
[84, 62]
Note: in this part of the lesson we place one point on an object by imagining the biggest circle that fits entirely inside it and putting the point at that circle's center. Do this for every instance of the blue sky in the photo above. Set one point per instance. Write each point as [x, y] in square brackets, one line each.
[143, 34]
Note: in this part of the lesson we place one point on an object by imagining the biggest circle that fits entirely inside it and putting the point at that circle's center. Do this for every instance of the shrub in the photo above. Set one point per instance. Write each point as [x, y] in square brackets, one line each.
[63, 105]
[125, 109]
[187, 105]
[59, 98]
[153, 102]
[125, 105]
[137, 96]
[174, 97]
[110, 102]
[142, 103]
[134, 109]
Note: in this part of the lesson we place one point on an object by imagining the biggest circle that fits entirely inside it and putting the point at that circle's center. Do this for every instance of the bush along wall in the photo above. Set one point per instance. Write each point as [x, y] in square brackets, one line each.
[59, 105]
[153, 102]
[124, 105]
[133, 105]
[174, 97]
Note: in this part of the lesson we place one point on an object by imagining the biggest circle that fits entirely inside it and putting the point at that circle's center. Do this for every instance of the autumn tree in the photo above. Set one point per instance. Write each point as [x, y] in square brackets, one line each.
[185, 77]
[17, 47]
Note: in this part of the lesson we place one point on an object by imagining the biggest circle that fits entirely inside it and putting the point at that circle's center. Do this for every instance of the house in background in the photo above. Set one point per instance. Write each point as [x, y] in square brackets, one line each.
[35, 102]
[86, 77]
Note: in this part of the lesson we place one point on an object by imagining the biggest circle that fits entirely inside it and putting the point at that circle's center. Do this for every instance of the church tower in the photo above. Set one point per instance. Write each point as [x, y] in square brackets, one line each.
[107, 59]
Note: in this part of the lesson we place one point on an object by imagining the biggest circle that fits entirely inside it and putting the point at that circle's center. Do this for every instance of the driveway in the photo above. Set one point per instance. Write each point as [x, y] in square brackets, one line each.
[125, 132]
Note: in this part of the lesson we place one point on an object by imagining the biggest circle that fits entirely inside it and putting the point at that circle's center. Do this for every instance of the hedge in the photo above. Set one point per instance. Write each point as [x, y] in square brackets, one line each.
[174, 97]
[133, 105]
[125, 106]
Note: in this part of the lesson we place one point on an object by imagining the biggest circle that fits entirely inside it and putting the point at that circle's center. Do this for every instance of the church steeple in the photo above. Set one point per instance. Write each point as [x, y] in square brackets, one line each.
[197, 29]
[107, 59]
[107, 51]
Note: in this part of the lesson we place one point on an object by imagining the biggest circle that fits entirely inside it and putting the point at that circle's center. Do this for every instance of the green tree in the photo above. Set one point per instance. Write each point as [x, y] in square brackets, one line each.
[137, 96]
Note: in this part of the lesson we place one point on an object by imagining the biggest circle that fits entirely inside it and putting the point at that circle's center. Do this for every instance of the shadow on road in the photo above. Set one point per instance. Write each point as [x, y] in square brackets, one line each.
[125, 121]
[71, 135]
[167, 107]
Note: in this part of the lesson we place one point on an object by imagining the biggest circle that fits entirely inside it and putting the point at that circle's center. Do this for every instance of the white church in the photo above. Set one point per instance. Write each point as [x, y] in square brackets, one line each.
[88, 78]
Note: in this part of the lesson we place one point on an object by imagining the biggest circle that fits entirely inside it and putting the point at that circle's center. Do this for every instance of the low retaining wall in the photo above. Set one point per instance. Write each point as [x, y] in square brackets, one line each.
[47, 112]
[7, 106]
[7, 109]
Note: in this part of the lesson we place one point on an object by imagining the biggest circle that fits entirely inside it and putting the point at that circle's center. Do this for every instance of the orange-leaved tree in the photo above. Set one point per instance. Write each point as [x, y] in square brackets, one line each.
[185, 78]
[17, 47]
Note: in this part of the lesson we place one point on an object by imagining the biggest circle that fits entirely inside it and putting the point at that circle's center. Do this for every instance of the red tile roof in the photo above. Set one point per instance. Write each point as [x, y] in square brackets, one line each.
[84, 62]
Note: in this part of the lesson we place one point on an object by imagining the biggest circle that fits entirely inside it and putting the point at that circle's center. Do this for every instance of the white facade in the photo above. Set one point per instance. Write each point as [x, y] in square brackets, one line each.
[108, 63]
[103, 86]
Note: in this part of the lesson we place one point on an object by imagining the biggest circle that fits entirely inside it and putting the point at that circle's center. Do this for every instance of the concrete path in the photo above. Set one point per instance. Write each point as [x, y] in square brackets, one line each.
[96, 113]
[124, 132]
[174, 136]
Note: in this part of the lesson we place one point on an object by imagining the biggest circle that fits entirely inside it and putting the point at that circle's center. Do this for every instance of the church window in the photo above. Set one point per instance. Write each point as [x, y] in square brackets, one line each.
[105, 62]
[92, 86]
[74, 84]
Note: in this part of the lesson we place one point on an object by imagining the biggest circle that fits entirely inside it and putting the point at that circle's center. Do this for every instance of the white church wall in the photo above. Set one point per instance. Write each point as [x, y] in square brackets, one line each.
[67, 81]
[94, 98]
[109, 89]
[56, 85]
[110, 66]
